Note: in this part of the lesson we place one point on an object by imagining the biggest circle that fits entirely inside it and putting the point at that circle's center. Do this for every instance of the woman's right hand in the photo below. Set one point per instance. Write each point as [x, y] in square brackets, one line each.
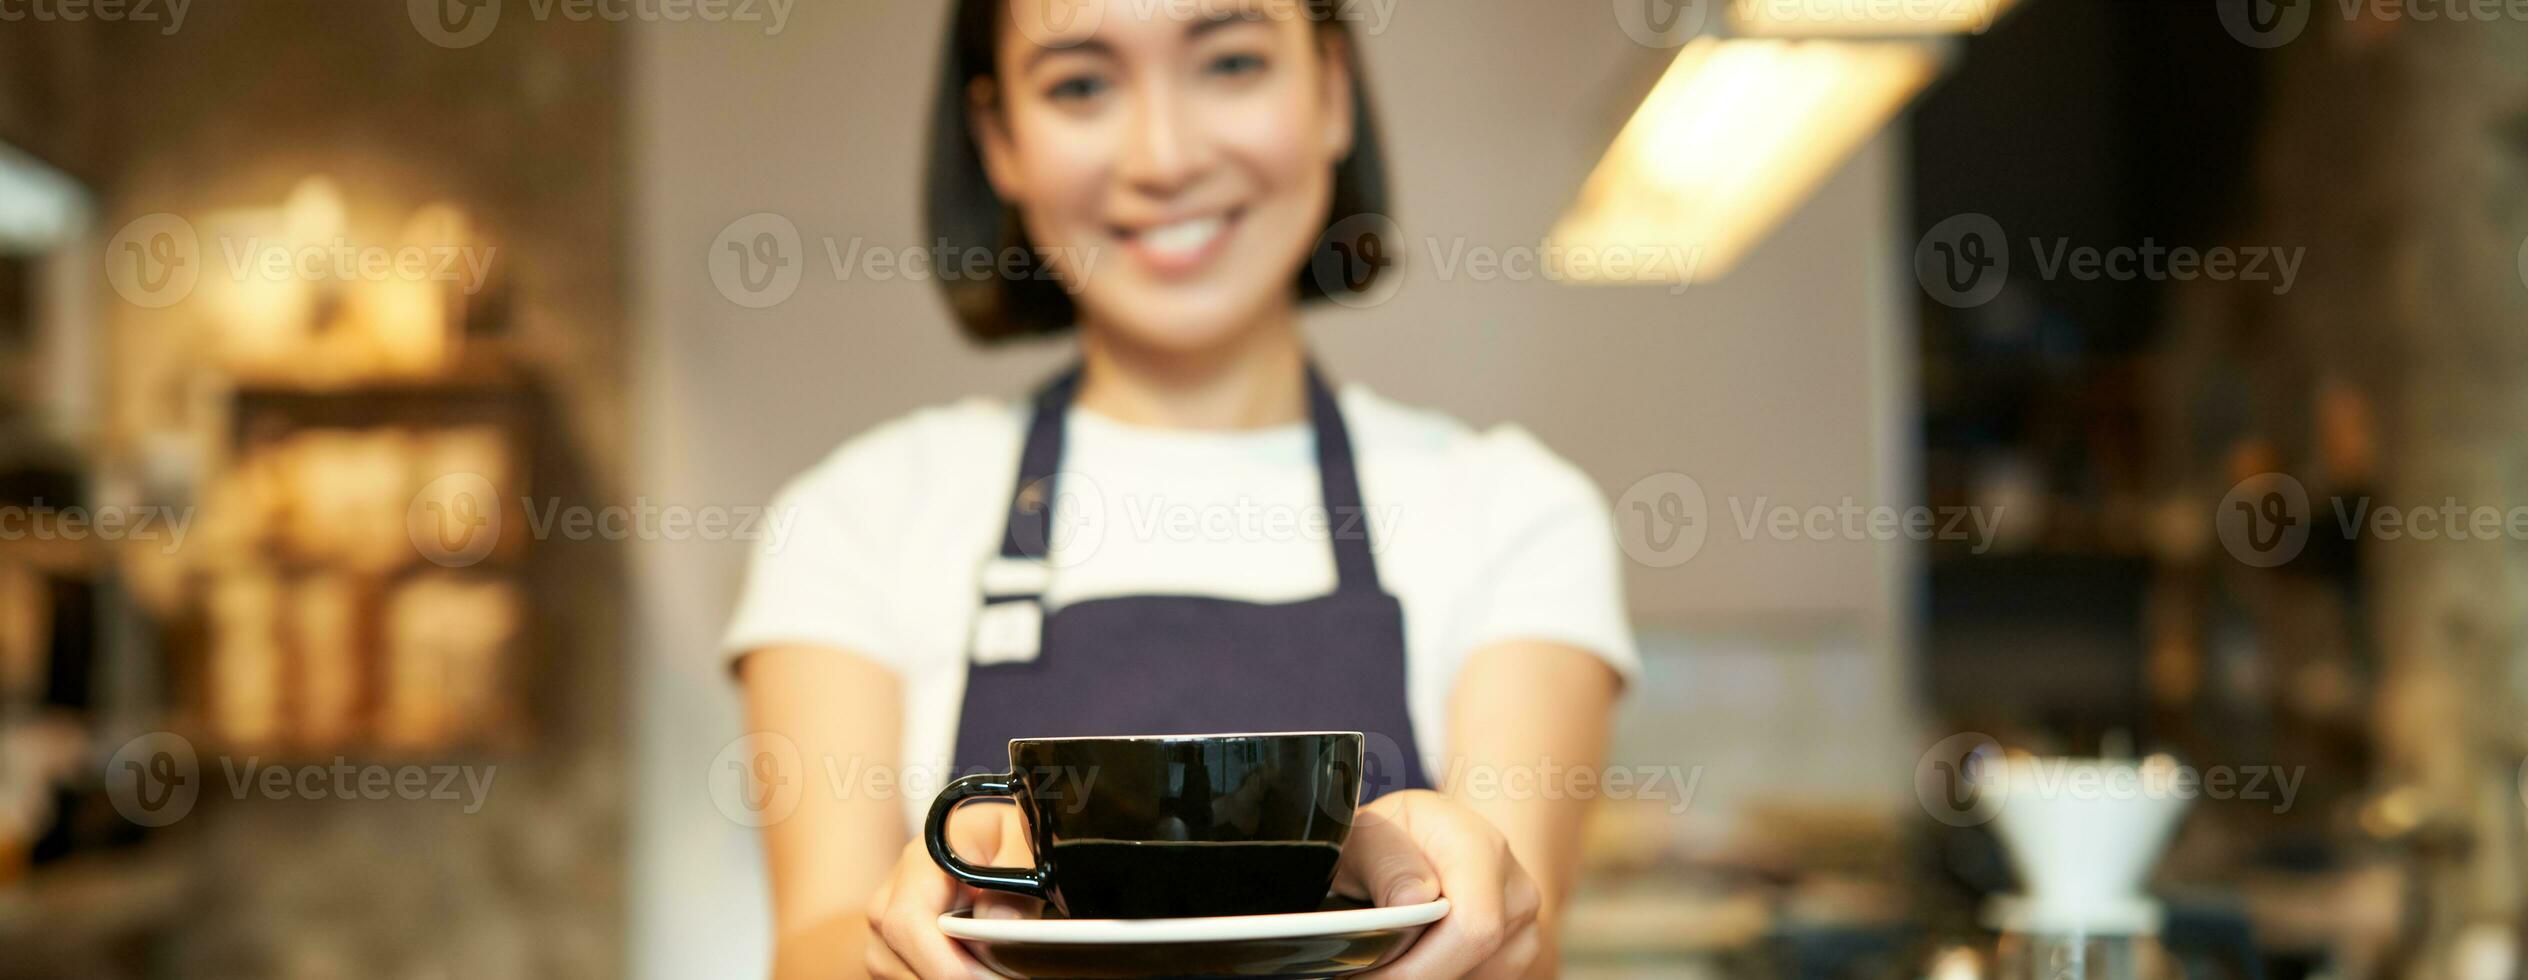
[905, 941]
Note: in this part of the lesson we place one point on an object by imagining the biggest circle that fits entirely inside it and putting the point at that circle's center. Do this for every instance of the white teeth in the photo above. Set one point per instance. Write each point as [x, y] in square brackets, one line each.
[1183, 237]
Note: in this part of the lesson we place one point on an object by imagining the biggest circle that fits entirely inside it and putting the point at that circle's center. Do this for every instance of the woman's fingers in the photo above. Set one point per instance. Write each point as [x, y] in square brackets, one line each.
[1491, 922]
[1474, 929]
[1515, 958]
[905, 920]
[883, 964]
[1384, 864]
[1521, 899]
[1522, 941]
[1013, 852]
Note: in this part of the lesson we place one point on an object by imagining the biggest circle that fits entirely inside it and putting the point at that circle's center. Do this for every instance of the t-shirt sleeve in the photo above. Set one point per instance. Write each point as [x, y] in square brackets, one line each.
[1552, 569]
[823, 583]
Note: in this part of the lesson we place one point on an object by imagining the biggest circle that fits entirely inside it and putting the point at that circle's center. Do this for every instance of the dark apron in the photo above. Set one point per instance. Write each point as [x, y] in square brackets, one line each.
[1182, 665]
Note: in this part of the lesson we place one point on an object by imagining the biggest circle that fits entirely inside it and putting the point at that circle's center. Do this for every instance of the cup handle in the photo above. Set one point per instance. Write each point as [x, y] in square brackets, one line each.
[1021, 881]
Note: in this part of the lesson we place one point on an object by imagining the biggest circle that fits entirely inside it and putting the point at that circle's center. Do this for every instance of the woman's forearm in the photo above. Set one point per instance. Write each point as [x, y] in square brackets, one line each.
[829, 855]
[1524, 719]
[823, 950]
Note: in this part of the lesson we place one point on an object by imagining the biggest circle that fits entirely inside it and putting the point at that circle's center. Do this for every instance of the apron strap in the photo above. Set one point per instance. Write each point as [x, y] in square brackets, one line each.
[1028, 534]
[1347, 520]
[1027, 537]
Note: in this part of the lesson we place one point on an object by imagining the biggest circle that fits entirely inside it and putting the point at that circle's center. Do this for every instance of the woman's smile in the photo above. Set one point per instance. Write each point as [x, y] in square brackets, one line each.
[1182, 247]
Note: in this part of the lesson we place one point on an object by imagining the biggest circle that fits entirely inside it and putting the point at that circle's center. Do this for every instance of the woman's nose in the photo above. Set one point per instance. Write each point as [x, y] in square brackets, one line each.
[1168, 151]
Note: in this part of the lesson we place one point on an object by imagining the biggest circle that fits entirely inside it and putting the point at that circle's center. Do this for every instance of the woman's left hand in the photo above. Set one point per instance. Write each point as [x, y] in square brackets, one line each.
[1413, 846]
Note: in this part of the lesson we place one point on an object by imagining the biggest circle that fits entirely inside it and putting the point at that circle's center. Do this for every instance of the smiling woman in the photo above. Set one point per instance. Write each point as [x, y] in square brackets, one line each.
[987, 572]
[969, 190]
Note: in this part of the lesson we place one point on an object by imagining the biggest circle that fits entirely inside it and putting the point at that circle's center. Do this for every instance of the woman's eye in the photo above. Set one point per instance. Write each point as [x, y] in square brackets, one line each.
[1078, 88]
[1234, 65]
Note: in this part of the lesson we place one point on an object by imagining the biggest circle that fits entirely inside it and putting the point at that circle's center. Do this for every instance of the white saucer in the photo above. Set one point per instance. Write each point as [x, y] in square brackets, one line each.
[1226, 928]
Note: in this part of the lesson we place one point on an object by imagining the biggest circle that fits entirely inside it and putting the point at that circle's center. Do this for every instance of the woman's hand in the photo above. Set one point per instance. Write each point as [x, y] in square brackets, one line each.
[905, 941]
[1413, 846]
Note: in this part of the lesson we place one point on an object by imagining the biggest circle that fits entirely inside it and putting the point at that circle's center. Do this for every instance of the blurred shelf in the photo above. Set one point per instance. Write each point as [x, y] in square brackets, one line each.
[484, 391]
[56, 557]
[81, 900]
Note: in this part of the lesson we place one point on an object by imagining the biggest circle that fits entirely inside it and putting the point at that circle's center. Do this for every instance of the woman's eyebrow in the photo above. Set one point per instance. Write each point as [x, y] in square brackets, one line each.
[1245, 13]
[1091, 46]
[1214, 23]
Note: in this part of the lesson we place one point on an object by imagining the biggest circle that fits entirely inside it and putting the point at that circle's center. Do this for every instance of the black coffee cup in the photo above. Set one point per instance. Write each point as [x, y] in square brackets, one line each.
[1169, 826]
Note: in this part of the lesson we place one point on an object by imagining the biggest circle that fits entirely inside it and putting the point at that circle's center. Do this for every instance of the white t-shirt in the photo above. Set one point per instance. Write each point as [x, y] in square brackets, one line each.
[1482, 537]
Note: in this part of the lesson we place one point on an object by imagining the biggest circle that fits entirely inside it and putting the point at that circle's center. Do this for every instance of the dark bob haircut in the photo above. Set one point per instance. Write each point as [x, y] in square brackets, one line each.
[1018, 297]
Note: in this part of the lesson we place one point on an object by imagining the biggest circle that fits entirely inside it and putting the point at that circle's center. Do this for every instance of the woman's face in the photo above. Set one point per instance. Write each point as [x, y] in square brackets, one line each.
[1175, 157]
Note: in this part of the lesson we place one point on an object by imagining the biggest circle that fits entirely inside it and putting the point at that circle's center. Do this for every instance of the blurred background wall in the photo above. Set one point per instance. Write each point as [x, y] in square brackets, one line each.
[231, 113]
[1786, 381]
